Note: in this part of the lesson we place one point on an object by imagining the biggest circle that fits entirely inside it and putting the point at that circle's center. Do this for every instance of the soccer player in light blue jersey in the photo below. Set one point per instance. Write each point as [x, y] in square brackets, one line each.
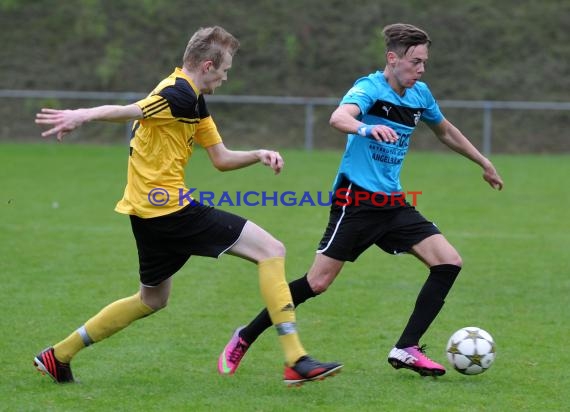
[379, 114]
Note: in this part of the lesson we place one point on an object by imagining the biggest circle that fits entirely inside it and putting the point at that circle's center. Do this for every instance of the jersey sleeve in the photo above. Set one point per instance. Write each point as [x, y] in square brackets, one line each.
[361, 94]
[206, 132]
[173, 102]
[156, 107]
[432, 113]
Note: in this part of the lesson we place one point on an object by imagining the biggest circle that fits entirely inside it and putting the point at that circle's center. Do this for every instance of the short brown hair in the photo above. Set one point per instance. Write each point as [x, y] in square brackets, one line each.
[399, 37]
[209, 43]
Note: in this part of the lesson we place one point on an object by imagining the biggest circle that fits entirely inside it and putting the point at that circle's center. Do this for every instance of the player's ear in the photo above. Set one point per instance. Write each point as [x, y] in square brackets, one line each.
[207, 66]
[391, 57]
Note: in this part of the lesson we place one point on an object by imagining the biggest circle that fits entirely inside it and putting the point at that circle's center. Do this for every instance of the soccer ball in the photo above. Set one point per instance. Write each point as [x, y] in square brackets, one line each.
[471, 350]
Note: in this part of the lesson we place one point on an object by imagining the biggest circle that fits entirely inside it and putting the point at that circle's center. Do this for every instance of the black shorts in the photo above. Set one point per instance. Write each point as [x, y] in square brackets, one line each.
[353, 229]
[165, 243]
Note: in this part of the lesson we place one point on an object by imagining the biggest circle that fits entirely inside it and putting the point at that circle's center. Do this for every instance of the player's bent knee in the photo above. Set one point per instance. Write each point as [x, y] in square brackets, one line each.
[457, 261]
[155, 304]
[449, 257]
[275, 248]
[320, 284]
[161, 305]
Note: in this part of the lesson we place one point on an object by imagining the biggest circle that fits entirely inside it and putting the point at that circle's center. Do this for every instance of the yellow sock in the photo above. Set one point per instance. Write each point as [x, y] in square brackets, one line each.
[67, 348]
[111, 319]
[277, 297]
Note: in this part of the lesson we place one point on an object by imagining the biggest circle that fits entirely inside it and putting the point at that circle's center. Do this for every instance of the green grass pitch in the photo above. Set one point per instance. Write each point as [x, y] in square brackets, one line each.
[65, 254]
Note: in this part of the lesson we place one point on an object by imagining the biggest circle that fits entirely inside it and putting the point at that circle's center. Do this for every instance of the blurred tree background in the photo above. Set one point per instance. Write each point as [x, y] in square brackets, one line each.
[483, 49]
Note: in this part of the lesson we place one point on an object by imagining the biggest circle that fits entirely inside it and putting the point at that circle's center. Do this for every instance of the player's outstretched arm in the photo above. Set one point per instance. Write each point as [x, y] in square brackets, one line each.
[454, 139]
[63, 122]
[224, 159]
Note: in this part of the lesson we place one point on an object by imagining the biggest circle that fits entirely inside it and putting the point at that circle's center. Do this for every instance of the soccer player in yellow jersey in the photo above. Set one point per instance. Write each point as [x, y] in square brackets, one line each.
[169, 229]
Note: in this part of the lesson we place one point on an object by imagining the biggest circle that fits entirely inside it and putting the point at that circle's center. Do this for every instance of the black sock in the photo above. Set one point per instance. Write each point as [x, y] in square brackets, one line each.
[428, 304]
[300, 292]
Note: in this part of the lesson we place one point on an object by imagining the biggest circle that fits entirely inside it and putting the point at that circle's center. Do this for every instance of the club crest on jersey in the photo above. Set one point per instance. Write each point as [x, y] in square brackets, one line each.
[417, 116]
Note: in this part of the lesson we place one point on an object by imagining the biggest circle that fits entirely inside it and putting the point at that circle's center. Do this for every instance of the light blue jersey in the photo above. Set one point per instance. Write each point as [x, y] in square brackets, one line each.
[376, 166]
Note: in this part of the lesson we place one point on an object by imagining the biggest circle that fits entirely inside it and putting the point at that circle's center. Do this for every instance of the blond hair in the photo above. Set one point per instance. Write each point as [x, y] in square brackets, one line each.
[209, 43]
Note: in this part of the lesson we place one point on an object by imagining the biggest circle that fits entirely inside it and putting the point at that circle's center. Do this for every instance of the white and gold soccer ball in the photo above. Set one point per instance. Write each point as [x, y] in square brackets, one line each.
[471, 350]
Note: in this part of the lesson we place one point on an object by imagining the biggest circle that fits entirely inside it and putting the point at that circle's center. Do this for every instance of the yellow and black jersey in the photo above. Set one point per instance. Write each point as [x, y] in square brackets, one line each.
[175, 117]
